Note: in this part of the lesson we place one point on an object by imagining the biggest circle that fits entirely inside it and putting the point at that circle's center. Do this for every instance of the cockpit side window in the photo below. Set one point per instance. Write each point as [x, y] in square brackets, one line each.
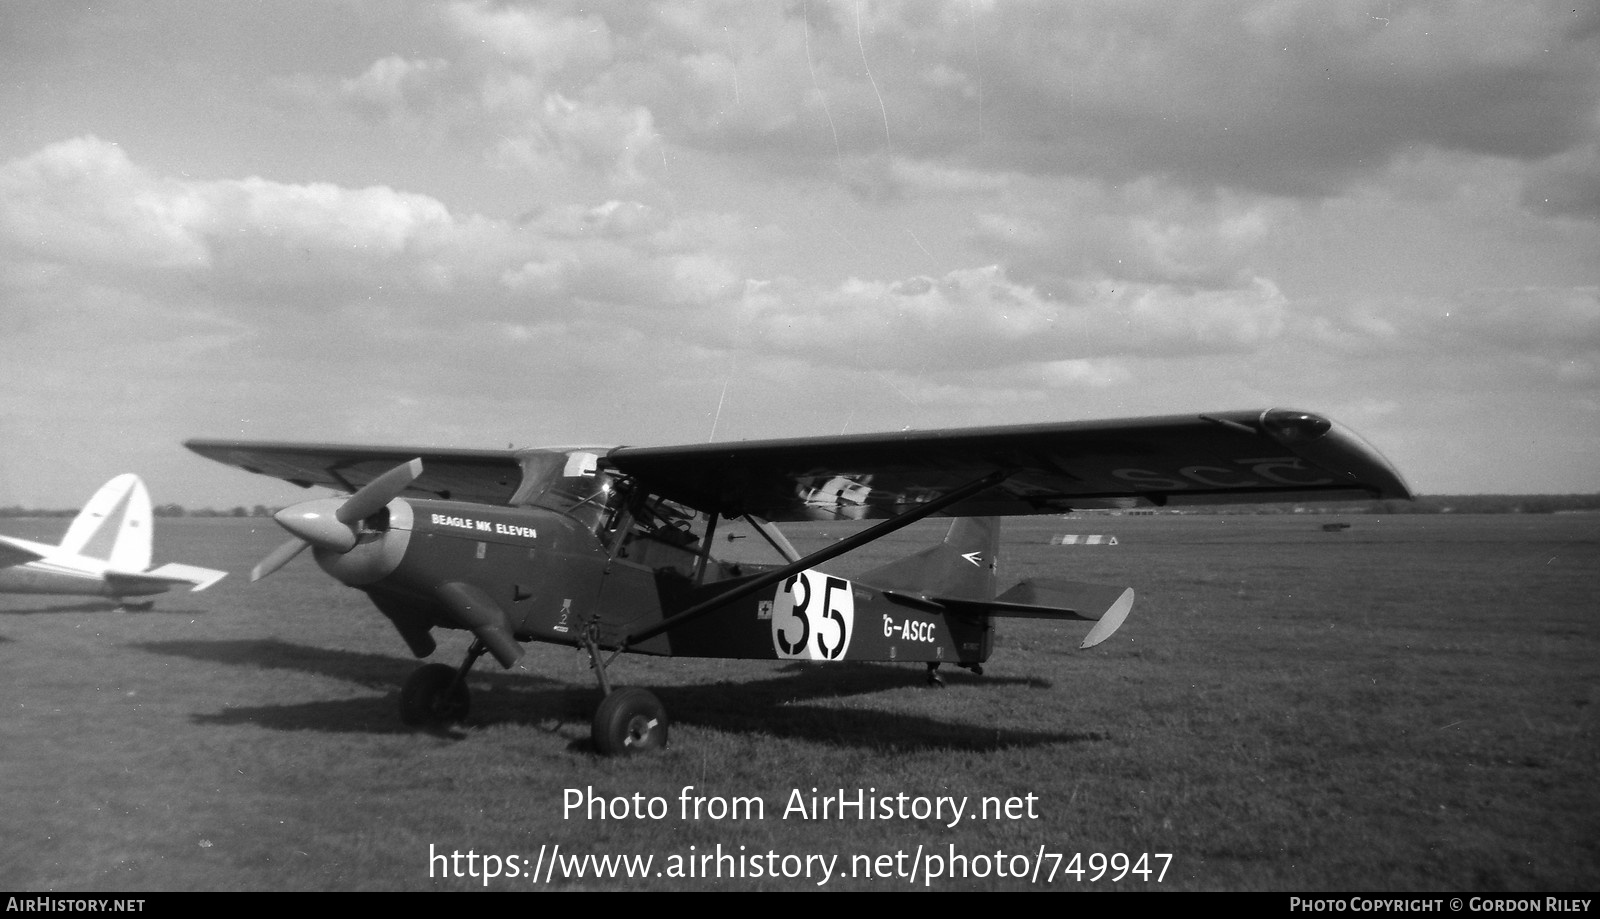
[591, 499]
[678, 542]
[570, 483]
[664, 534]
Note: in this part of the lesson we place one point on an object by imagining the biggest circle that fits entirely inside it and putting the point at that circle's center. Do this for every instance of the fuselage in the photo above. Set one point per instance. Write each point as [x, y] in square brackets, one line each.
[533, 574]
[67, 574]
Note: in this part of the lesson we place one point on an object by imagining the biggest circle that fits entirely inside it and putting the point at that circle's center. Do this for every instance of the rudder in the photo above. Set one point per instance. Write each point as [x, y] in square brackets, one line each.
[114, 525]
[963, 565]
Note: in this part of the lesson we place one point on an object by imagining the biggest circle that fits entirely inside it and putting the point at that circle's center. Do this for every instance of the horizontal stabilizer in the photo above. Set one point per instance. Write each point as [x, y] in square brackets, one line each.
[170, 574]
[1105, 606]
[201, 578]
[16, 552]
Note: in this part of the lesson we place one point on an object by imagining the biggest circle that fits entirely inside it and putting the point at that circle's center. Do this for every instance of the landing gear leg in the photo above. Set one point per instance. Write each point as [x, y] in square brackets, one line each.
[630, 720]
[934, 678]
[436, 694]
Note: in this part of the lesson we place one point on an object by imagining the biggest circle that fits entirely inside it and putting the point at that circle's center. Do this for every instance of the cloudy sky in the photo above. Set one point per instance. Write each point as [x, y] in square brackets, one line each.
[483, 223]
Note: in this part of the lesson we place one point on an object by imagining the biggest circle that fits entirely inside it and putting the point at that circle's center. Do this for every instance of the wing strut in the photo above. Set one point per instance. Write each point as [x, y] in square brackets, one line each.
[839, 548]
[773, 537]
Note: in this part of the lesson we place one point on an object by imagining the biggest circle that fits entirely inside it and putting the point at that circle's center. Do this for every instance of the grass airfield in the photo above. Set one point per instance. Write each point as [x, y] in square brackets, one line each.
[1410, 704]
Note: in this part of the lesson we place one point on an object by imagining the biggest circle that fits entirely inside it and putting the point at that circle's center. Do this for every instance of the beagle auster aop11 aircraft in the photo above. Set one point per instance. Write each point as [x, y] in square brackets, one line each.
[611, 549]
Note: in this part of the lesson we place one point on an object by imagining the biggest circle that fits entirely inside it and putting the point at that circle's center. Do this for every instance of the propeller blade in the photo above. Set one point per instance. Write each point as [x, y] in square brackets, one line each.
[331, 524]
[277, 559]
[317, 522]
[380, 491]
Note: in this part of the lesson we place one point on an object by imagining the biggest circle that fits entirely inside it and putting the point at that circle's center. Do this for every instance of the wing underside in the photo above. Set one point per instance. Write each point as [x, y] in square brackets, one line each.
[481, 476]
[1228, 457]
[1234, 457]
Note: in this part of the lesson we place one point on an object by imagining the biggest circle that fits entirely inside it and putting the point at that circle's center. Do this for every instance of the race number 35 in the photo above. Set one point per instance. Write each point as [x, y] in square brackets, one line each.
[813, 617]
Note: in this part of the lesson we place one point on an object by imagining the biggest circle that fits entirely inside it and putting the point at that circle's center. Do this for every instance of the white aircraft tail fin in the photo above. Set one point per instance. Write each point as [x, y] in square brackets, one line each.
[114, 525]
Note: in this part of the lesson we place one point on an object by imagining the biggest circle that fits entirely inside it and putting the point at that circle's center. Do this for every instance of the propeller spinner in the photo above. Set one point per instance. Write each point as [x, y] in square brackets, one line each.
[334, 523]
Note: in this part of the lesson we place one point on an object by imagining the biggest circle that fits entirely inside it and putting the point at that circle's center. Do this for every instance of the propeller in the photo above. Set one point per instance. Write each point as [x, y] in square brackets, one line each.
[277, 558]
[334, 523]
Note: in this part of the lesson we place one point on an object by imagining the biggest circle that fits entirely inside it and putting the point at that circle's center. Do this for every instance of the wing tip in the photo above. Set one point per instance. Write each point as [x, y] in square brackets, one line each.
[1110, 621]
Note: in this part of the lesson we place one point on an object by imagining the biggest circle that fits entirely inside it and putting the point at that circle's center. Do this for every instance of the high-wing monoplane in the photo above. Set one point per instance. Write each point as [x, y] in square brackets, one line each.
[612, 549]
[105, 553]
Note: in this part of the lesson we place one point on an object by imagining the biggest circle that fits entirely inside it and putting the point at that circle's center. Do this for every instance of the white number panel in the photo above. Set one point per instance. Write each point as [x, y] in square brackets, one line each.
[813, 617]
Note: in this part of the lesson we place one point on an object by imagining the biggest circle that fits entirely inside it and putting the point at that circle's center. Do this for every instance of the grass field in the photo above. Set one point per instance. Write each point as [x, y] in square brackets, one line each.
[1410, 704]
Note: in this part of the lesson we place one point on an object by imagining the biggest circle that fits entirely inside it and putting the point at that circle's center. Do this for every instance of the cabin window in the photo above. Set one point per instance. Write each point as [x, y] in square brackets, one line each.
[571, 483]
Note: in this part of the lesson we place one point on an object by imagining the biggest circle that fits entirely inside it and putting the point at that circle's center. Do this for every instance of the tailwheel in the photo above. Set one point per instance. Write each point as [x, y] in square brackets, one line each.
[434, 695]
[630, 720]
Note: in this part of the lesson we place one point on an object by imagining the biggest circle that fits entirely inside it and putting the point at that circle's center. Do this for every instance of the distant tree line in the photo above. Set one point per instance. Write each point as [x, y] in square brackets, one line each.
[1432, 504]
[178, 510]
[160, 510]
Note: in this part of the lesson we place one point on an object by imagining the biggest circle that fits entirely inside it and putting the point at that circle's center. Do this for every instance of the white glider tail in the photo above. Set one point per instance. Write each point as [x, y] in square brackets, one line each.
[114, 525]
[106, 552]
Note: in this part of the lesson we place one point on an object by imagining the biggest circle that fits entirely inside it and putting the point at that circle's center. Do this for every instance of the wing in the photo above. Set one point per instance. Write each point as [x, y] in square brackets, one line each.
[482, 476]
[17, 552]
[165, 576]
[1242, 457]
[1239, 457]
[198, 578]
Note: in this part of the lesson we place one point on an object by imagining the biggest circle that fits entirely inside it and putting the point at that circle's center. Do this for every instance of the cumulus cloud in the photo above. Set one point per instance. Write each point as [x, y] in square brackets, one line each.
[84, 203]
[84, 200]
[1285, 97]
[319, 249]
[849, 214]
[1141, 233]
[1557, 324]
[536, 72]
[1567, 184]
[565, 133]
[316, 248]
[979, 319]
[544, 42]
[1551, 322]
[1289, 98]
[390, 85]
[932, 177]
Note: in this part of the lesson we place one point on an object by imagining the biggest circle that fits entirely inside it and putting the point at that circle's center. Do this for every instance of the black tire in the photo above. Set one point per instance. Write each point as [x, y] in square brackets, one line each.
[433, 696]
[629, 721]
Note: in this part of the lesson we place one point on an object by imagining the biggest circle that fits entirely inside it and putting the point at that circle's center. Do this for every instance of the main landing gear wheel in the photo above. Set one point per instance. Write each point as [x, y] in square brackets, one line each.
[629, 721]
[433, 695]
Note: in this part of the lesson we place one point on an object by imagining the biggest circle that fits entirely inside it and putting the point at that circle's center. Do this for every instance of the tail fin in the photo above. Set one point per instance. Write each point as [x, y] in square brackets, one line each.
[962, 566]
[959, 574]
[114, 525]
